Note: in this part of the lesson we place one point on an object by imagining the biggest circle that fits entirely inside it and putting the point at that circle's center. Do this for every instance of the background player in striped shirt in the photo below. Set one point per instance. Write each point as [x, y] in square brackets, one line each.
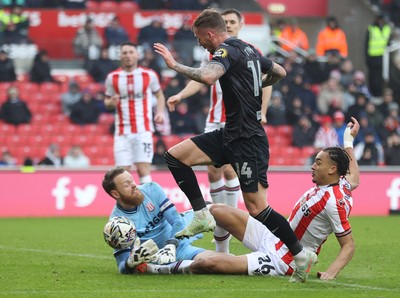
[322, 210]
[224, 184]
[131, 90]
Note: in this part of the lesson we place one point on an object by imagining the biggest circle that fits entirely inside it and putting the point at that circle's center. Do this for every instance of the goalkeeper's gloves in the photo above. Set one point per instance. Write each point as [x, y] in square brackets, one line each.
[145, 253]
[348, 138]
[167, 254]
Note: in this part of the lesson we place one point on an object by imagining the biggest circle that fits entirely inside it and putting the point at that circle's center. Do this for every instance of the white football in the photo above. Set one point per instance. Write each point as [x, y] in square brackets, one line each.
[119, 232]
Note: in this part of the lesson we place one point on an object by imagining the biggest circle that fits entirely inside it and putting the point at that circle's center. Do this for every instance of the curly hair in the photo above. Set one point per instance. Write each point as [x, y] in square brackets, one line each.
[341, 158]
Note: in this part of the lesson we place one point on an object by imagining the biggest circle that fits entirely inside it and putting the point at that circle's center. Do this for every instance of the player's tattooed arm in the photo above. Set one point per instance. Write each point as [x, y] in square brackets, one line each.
[276, 74]
[208, 74]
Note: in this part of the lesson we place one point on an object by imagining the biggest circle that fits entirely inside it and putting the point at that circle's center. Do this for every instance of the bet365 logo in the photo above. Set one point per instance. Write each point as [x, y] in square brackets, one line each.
[83, 196]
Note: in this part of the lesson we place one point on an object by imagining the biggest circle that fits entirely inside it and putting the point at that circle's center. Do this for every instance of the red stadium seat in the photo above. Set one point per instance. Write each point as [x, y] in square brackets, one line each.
[83, 80]
[128, 6]
[25, 129]
[28, 86]
[49, 87]
[92, 5]
[7, 129]
[108, 6]
[171, 140]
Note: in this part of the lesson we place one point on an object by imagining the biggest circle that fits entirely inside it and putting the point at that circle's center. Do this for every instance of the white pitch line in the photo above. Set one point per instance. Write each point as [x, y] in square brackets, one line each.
[56, 253]
[107, 257]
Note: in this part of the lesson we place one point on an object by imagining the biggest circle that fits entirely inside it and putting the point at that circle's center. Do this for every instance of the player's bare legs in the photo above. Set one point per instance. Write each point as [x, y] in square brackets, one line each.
[143, 170]
[180, 160]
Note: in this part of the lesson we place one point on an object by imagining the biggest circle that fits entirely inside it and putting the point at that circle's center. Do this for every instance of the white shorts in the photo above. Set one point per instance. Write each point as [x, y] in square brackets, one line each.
[264, 259]
[133, 148]
[213, 126]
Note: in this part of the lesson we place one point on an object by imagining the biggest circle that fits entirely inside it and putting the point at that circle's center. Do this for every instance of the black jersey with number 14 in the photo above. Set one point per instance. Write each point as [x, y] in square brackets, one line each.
[241, 87]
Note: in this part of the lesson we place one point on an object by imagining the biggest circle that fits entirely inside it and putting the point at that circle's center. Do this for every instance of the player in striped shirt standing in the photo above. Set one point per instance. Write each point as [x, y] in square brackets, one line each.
[131, 90]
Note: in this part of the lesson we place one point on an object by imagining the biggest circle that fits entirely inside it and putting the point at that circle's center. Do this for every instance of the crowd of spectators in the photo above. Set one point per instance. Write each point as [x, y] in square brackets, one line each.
[316, 99]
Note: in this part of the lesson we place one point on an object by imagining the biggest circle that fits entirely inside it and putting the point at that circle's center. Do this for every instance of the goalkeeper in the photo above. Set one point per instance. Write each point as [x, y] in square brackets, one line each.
[156, 220]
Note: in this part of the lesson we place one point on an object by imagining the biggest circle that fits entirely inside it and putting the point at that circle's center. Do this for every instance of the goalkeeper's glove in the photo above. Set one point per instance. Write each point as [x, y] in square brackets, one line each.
[145, 253]
[167, 254]
[348, 138]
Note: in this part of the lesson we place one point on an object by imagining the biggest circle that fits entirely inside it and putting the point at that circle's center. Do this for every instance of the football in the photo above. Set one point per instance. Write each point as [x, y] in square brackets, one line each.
[119, 232]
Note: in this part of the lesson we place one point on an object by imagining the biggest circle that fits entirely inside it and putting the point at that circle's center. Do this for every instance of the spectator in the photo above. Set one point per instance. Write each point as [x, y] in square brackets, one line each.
[358, 107]
[114, 33]
[41, 70]
[340, 125]
[153, 33]
[375, 117]
[365, 127]
[331, 95]
[346, 69]
[12, 3]
[304, 133]
[332, 39]
[394, 79]
[76, 158]
[53, 157]
[301, 88]
[200, 117]
[377, 39]
[182, 121]
[294, 111]
[69, 98]
[326, 135]
[390, 125]
[392, 150]
[387, 100]
[149, 61]
[7, 160]
[160, 149]
[7, 69]
[16, 26]
[86, 110]
[369, 152]
[87, 42]
[100, 68]
[184, 42]
[313, 69]
[276, 112]
[359, 85]
[14, 110]
[295, 36]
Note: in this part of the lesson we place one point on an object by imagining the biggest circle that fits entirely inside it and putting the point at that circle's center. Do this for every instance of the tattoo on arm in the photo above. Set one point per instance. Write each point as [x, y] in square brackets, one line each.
[207, 74]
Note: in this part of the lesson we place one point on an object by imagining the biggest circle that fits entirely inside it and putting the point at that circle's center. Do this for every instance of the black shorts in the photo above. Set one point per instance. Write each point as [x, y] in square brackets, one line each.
[249, 157]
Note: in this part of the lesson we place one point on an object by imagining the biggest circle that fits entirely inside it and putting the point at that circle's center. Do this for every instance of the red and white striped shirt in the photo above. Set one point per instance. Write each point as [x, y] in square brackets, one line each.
[134, 110]
[216, 112]
[322, 210]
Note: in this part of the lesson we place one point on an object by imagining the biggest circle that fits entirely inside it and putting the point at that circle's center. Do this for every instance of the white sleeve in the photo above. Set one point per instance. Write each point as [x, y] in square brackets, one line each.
[205, 58]
[154, 82]
[108, 85]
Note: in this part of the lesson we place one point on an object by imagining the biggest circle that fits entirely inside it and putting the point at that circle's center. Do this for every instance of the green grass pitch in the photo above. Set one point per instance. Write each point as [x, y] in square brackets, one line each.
[67, 257]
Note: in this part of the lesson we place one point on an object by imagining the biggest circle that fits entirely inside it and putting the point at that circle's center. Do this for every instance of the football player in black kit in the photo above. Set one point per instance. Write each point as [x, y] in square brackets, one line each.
[242, 72]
